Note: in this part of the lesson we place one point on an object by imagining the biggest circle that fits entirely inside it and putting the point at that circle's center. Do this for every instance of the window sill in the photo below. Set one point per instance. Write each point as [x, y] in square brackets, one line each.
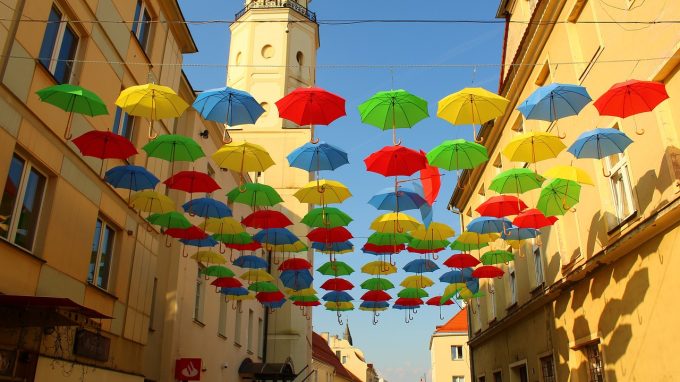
[199, 323]
[493, 321]
[250, 352]
[222, 336]
[622, 224]
[102, 290]
[24, 250]
[537, 289]
[511, 307]
[238, 345]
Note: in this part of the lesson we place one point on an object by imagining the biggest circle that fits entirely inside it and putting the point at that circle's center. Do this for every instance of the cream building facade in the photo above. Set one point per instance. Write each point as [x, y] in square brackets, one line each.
[449, 351]
[351, 357]
[587, 301]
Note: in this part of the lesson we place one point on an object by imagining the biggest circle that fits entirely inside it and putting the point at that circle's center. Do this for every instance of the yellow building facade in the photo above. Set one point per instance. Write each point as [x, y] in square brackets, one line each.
[449, 353]
[589, 301]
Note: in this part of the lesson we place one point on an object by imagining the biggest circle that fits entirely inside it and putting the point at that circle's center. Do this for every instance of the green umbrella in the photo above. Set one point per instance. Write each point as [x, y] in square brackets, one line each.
[255, 195]
[516, 181]
[464, 247]
[394, 109]
[412, 293]
[383, 239]
[174, 148]
[73, 99]
[335, 268]
[171, 219]
[327, 217]
[497, 257]
[304, 298]
[377, 283]
[239, 238]
[458, 154]
[217, 271]
[428, 244]
[263, 286]
[558, 196]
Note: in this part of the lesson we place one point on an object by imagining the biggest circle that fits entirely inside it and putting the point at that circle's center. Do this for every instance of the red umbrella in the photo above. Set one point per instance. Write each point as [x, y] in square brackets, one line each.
[436, 301]
[461, 260]
[337, 284]
[227, 282]
[104, 145]
[501, 206]
[294, 264]
[191, 233]
[269, 296]
[306, 303]
[383, 249]
[487, 272]
[631, 97]
[376, 295]
[431, 180]
[408, 302]
[552, 219]
[192, 181]
[396, 161]
[266, 219]
[254, 246]
[311, 106]
[329, 235]
[532, 218]
[425, 251]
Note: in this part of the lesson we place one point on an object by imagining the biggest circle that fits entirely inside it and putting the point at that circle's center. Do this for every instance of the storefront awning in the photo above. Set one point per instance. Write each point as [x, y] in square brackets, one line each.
[35, 311]
[250, 370]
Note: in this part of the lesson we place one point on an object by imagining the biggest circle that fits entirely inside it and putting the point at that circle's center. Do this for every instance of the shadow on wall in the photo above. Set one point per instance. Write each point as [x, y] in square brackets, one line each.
[668, 175]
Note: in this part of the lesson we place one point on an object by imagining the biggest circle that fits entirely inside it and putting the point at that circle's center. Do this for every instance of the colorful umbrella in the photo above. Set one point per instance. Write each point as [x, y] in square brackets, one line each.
[457, 154]
[599, 143]
[572, 173]
[133, 178]
[420, 266]
[378, 268]
[262, 286]
[329, 235]
[207, 208]
[412, 293]
[153, 102]
[485, 224]
[249, 245]
[327, 217]
[295, 247]
[174, 148]
[235, 292]
[339, 306]
[255, 195]
[427, 246]
[294, 264]
[297, 279]
[275, 236]
[323, 192]
[533, 147]
[226, 282]
[295, 294]
[264, 219]
[337, 296]
[152, 201]
[461, 260]
[205, 242]
[190, 233]
[417, 281]
[377, 283]
[337, 284]
[209, 257]
[532, 218]
[497, 257]
[317, 157]
[431, 182]
[435, 232]
[229, 106]
[243, 157]
[555, 101]
[518, 234]
[217, 271]
[471, 106]
[222, 226]
[395, 161]
[558, 196]
[632, 97]
[374, 306]
[256, 275]
[408, 302]
[382, 239]
[73, 99]
[487, 272]
[335, 269]
[270, 297]
[170, 219]
[501, 206]
[382, 249]
[104, 145]
[403, 199]
[191, 182]
[516, 181]
[311, 106]
[343, 247]
[394, 222]
[457, 276]
[376, 295]
[394, 109]
[250, 262]
[242, 238]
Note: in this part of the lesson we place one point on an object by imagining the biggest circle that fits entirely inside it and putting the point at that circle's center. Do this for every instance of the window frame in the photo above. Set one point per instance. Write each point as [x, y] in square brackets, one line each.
[104, 225]
[238, 323]
[53, 60]
[551, 367]
[512, 279]
[586, 353]
[622, 168]
[141, 10]
[459, 354]
[539, 270]
[123, 120]
[222, 318]
[457, 378]
[199, 295]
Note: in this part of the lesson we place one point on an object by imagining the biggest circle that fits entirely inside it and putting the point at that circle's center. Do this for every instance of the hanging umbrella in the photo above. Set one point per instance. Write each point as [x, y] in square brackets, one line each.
[497, 257]
[133, 178]
[417, 281]
[327, 217]
[377, 283]
[311, 106]
[337, 296]
[376, 296]
[205, 242]
[172, 219]
[599, 143]
[451, 291]
[427, 246]
[403, 199]
[153, 102]
[228, 106]
[308, 292]
[209, 257]
[329, 235]
[250, 262]
[256, 275]
[395, 161]
[342, 247]
[335, 269]
[485, 224]
[226, 282]
[374, 306]
[275, 236]
[317, 157]
[207, 208]
[270, 297]
[382, 249]
[104, 145]
[174, 148]
[235, 292]
[295, 247]
[379, 268]
[572, 173]
[394, 222]
[533, 147]
[430, 181]
[631, 97]
[192, 232]
[264, 219]
[323, 192]
[248, 246]
[558, 196]
[457, 154]
[457, 276]
[243, 157]
[420, 266]
[532, 218]
[240, 238]
[392, 239]
[555, 101]
[501, 206]
[295, 264]
[516, 181]
[436, 231]
[412, 293]
[439, 301]
[337, 284]
[217, 271]
[299, 279]
[73, 99]
[262, 286]
[487, 272]
[476, 238]
[339, 306]
[517, 234]
[222, 226]
[273, 304]
[471, 106]
[255, 195]
[408, 302]
[394, 109]
[461, 260]
[152, 201]
[192, 182]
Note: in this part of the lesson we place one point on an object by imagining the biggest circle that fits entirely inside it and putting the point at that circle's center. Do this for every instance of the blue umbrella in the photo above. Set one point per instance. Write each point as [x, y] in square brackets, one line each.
[250, 261]
[207, 242]
[275, 236]
[405, 307]
[296, 279]
[337, 296]
[420, 266]
[374, 304]
[600, 143]
[472, 285]
[555, 101]
[317, 157]
[134, 178]
[457, 276]
[333, 247]
[515, 233]
[275, 304]
[405, 199]
[227, 105]
[486, 224]
[207, 208]
[240, 291]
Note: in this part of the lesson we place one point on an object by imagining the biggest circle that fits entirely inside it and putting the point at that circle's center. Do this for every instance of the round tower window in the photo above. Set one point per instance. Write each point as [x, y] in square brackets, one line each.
[267, 51]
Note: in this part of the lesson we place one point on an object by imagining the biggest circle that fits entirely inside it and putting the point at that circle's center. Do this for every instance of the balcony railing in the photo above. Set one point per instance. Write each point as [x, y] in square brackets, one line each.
[291, 4]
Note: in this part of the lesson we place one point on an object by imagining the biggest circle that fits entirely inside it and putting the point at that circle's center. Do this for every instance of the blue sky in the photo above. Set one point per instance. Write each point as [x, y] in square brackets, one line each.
[398, 350]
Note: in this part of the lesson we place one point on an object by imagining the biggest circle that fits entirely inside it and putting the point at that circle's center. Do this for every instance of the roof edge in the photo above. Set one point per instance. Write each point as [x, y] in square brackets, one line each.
[186, 41]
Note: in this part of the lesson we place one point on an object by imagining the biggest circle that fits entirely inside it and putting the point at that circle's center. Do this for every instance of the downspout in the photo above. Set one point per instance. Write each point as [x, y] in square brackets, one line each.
[11, 37]
[266, 315]
[501, 79]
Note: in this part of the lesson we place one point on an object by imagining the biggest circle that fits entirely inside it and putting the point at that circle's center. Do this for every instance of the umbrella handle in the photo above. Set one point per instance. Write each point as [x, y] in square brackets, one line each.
[226, 138]
[394, 138]
[640, 131]
[67, 132]
[340, 321]
[440, 313]
[561, 135]
[435, 256]
[233, 305]
[312, 139]
[406, 320]
[606, 174]
[490, 289]
[375, 318]
[168, 243]
[474, 134]
[184, 252]
[151, 134]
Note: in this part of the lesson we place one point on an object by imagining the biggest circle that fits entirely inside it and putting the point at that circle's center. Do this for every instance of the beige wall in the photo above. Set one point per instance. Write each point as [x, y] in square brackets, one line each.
[355, 361]
[444, 368]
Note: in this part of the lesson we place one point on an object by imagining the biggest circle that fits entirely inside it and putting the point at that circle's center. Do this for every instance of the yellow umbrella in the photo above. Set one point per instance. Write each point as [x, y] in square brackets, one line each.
[339, 306]
[296, 247]
[245, 297]
[301, 292]
[471, 106]
[533, 147]
[515, 244]
[365, 309]
[209, 257]
[151, 101]
[243, 157]
[323, 192]
[465, 294]
[569, 173]
[394, 222]
[255, 275]
[379, 268]
[468, 237]
[436, 231]
[451, 289]
[152, 201]
[222, 226]
[417, 281]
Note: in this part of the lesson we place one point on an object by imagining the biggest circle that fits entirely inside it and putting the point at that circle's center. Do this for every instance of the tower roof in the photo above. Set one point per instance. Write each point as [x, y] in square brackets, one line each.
[348, 336]
[457, 323]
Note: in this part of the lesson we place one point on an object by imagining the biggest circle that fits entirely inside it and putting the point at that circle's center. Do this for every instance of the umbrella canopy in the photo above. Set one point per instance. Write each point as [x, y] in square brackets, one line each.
[270, 297]
[337, 296]
[229, 106]
[243, 157]
[240, 238]
[403, 199]
[222, 226]
[329, 235]
[374, 306]
[264, 219]
[311, 106]
[420, 266]
[104, 145]
[497, 257]
[335, 269]
[217, 271]
[255, 195]
[461, 260]
[412, 293]
[382, 239]
[273, 304]
[427, 246]
[131, 177]
[294, 264]
[430, 181]
[226, 282]
[457, 276]
[205, 242]
[572, 173]
[295, 247]
[263, 286]
[533, 147]
[395, 161]
[323, 192]
[394, 222]
[191, 182]
[234, 292]
[501, 206]
[207, 208]
[151, 101]
[471, 106]
[327, 217]
[382, 249]
[457, 154]
[487, 272]
[487, 224]
[517, 234]
[249, 245]
[317, 157]
[632, 97]
[555, 101]
[174, 148]
[275, 236]
[532, 218]
[379, 268]
[192, 232]
[409, 303]
[209, 257]
[599, 143]
[256, 275]
[152, 201]
[339, 306]
[295, 294]
[73, 99]
[251, 262]
[376, 296]
[377, 283]
[296, 279]
[417, 281]
[516, 181]
[342, 247]
[172, 219]
[337, 284]
[394, 109]
[475, 238]
[436, 231]
[437, 301]
[558, 196]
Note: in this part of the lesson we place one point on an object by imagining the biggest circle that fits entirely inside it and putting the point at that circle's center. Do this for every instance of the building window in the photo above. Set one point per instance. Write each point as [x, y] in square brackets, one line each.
[344, 359]
[621, 189]
[458, 378]
[222, 318]
[300, 58]
[102, 252]
[59, 47]
[338, 353]
[548, 369]
[123, 123]
[153, 303]
[538, 263]
[250, 330]
[456, 353]
[260, 338]
[21, 203]
[492, 300]
[481, 379]
[237, 326]
[141, 27]
[497, 376]
[199, 296]
[595, 367]
[513, 285]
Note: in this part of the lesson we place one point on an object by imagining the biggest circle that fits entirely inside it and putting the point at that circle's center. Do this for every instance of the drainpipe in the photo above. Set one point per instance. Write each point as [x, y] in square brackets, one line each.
[266, 315]
[505, 47]
[11, 36]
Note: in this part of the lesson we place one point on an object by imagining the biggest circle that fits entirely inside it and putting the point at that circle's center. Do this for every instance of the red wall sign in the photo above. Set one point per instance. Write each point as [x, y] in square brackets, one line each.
[188, 369]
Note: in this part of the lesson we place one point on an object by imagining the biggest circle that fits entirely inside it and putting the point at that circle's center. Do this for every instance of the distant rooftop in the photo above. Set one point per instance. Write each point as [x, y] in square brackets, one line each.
[457, 324]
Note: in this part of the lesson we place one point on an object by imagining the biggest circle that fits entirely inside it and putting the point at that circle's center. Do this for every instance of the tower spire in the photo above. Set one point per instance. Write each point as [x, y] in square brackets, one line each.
[348, 336]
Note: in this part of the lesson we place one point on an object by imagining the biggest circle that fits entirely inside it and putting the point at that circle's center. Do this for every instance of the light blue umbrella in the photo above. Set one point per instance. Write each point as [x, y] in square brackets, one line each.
[250, 262]
[515, 233]
[486, 224]
[554, 101]
[275, 304]
[333, 247]
[317, 157]
[457, 276]
[296, 279]
[134, 178]
[337, 296]
[275, 236]
[473, 285]
[374, 304]
[420, 266]
[240, 291]
[600, 143]
[227, 105]
[405, 199]
[207, 208]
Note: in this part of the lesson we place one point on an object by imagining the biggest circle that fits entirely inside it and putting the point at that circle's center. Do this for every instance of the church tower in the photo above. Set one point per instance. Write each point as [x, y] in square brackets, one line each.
[272, 52]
